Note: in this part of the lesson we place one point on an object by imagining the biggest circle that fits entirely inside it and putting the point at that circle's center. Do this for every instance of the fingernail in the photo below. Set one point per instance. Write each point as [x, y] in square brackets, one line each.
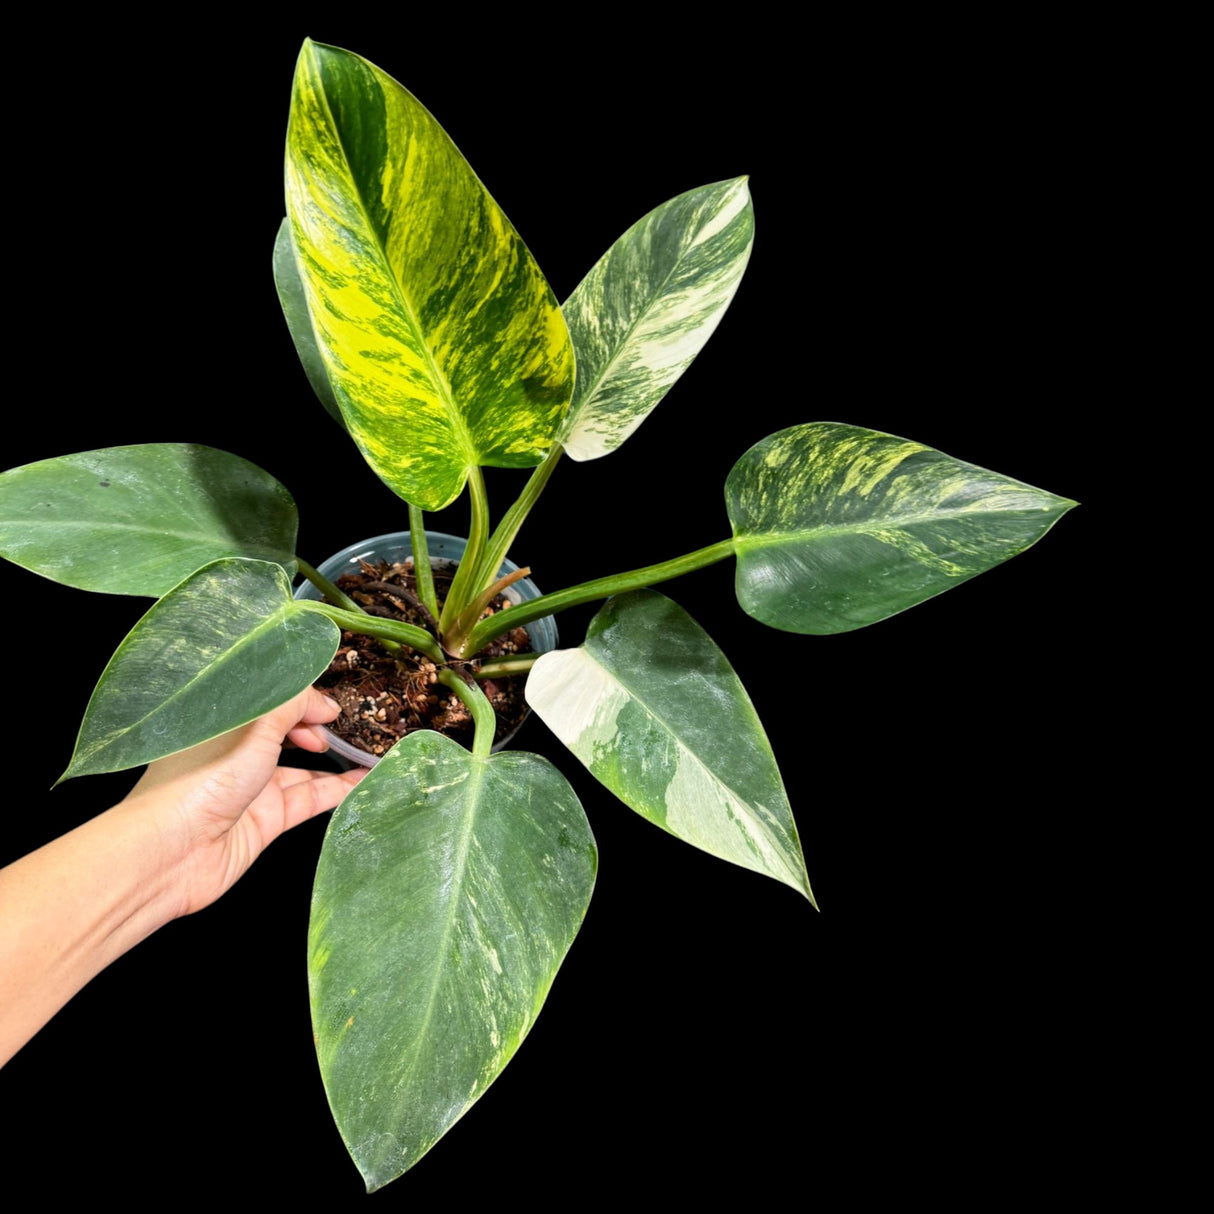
[333, 704]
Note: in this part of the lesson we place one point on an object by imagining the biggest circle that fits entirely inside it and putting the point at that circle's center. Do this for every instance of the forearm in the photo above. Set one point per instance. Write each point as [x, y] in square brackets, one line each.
[191, 826]
[72, 907]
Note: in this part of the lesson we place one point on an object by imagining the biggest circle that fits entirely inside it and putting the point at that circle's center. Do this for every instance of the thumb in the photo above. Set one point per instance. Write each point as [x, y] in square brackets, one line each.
[309, 707]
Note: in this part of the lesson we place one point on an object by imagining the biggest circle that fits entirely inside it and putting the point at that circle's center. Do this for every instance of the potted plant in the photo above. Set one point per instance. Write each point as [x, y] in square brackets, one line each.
[430, 335]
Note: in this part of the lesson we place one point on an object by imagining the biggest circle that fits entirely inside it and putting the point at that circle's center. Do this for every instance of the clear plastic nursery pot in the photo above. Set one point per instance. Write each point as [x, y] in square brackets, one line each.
[397, 547]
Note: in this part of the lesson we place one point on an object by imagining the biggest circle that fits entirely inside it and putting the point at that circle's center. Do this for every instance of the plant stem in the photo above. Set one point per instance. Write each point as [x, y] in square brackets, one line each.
[374, 626]
[341, 599]
[338, 597]
[483, 716]
[513, 519]
[467, 620]
[422, 573]
[587, 592]
[478, 530]
[500, 668]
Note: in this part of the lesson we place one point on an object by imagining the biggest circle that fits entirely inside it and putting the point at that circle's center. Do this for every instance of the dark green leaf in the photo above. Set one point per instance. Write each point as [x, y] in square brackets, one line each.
[294, 303]
[218, 651]
[136, 520]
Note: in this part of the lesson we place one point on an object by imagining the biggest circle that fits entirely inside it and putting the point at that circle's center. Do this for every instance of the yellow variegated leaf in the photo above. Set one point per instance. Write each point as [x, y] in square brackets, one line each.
[837, 527]
[442, 341]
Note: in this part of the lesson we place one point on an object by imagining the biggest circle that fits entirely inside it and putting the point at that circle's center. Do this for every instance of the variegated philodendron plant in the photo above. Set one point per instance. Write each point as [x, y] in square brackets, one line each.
[430, 334]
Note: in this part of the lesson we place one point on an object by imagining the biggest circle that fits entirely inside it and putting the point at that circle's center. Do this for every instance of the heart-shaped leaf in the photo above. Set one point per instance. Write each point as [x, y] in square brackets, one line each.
[448, 892]
[646, 309]
[441, 339]
[136, 520]
[218, 651]
[836, 526]
[652, 707]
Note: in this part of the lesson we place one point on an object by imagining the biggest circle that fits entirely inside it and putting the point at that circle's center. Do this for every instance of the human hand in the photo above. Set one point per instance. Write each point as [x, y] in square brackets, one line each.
[222, 803]
[190, 827]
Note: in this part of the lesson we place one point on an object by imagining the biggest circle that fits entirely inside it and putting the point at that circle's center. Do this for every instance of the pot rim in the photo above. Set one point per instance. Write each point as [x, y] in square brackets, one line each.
[547, 639]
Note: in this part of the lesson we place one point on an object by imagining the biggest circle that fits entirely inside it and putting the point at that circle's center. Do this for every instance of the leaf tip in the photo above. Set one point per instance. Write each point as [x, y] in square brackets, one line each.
[73, 767]
[741, 183]
[801, 885]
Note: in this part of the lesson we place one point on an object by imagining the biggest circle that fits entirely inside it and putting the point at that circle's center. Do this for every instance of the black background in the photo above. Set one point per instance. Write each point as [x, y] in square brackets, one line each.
[922, 266]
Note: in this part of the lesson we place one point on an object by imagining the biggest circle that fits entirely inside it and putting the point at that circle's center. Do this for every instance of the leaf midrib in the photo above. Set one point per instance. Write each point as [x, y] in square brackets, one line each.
[107, 525]
[469, 789]
[804, 535]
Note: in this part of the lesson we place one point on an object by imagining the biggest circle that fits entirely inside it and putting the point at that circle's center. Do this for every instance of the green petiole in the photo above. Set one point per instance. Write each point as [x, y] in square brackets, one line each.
[475, 701]
[587, 592]
[422, 572]
[374, 626]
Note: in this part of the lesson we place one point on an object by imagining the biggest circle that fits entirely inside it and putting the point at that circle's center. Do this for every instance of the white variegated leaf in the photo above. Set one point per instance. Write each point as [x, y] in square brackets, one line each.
[653, 709]
[646, 309]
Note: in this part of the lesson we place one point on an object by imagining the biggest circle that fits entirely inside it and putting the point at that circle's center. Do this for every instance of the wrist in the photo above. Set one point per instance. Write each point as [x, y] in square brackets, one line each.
[155, 850]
